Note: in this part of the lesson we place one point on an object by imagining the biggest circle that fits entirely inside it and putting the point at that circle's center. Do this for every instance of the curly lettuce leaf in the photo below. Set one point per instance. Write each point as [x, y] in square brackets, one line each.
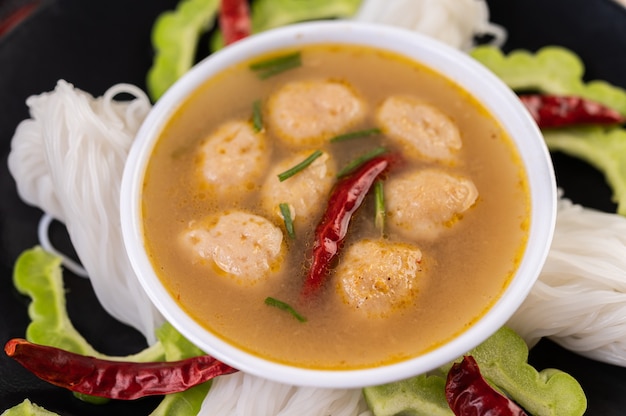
[603, 148]
[175, 37]
[556, 70]
[422, 395]
[503, 361]
[551, 70]
[28, 408]
[177, 347]
[38, 274]
[268, 14]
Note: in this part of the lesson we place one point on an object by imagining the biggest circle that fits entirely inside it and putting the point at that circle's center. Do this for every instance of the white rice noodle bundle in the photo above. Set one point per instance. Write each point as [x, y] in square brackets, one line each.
[68, 160]
[242, 394]
[579, 300]
[454, 22]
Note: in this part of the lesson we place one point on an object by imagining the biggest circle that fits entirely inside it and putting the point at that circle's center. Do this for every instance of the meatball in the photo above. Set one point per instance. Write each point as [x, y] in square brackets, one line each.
[420, 129]
[422, 204]
[233, 158]
[307, 113]
[378, 276]
[305, 192]
[243, 246]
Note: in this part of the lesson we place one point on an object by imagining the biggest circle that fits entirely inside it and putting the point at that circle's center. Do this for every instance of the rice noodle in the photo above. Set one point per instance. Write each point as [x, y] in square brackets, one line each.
[455, 22]
[68, 160]
[243, 394]
[579, 300]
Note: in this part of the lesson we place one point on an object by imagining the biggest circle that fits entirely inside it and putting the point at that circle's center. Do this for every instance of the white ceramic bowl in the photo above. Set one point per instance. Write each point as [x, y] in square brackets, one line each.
[455, 65]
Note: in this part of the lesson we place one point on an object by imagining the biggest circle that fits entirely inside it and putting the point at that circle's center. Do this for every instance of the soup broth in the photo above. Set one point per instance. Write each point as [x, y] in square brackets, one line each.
[462, 265]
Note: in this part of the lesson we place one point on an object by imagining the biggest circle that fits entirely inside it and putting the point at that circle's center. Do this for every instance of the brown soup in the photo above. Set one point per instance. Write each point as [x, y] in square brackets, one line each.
[208, 180]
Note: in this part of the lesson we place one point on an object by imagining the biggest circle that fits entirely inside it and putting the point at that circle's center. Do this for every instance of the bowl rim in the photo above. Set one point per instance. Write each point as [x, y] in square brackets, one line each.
[457, 66]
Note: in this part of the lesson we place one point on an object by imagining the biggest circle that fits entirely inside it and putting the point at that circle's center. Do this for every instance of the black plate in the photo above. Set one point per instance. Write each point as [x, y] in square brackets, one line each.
[95, 44]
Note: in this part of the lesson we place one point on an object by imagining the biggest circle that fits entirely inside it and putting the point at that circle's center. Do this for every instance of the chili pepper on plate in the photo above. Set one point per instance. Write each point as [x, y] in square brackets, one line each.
[113, 379]
[564, 110]
[234, 20]
[468, 394]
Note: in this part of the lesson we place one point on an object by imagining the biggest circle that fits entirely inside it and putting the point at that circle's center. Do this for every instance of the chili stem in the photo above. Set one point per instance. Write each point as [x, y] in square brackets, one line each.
[286, 213]
[300, 166]
[285, 307]
[354, 164]
[276, 65]
[355, 135]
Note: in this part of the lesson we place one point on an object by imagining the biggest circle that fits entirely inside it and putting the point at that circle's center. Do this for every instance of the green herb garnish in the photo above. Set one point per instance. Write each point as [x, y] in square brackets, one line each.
[356, 134]
[285, 307]
[286, 213]
[257, 116]
[300, 166]
[276, 65]
[379, 206]
[360, 160]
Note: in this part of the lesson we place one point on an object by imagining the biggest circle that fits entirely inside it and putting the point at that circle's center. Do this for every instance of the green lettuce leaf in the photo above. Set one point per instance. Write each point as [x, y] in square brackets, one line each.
[551, 70]
[28, 408]
[175, 37]
[268, 14]
[503, 361]
[38, 274]
[556, 70]
[604, 148]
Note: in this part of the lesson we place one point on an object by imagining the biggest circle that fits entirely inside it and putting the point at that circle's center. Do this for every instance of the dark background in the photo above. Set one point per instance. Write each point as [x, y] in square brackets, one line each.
[95, 44]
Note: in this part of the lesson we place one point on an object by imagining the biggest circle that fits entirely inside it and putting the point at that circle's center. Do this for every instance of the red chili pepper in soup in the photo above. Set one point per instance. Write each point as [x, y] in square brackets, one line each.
[113, 379]
[560, 111]
[346, 197]
[468, 394]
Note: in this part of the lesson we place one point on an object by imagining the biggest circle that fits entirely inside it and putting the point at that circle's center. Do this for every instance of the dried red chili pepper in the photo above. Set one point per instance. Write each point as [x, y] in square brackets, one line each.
[468, 394]
[17, 16]
[559, 111]
[346, 197]
[234, 20]
[113, 379]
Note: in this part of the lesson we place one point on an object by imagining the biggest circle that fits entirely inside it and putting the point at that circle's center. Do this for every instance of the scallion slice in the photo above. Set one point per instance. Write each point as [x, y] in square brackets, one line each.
[379, 206]
[360, 160]
[300, 166]
[286, 213]
[285, 307]
[356, 134]
[257, 116]
[276, 65]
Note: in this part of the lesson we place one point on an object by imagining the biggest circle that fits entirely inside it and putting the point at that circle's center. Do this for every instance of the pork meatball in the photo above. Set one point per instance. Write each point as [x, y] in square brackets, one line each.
[421, 130]
[240, 245]
[233, 158]
[378, 277]
[422, 204]
[308, 113]
[305, 192]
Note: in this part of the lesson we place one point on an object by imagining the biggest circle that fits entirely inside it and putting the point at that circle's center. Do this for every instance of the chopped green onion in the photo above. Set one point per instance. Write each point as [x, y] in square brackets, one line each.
[257, 116]
[285, 307]
[360, 160]
[379, 206]
[300, 166]
[276, 65]
[356, 134]
[286, 213]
